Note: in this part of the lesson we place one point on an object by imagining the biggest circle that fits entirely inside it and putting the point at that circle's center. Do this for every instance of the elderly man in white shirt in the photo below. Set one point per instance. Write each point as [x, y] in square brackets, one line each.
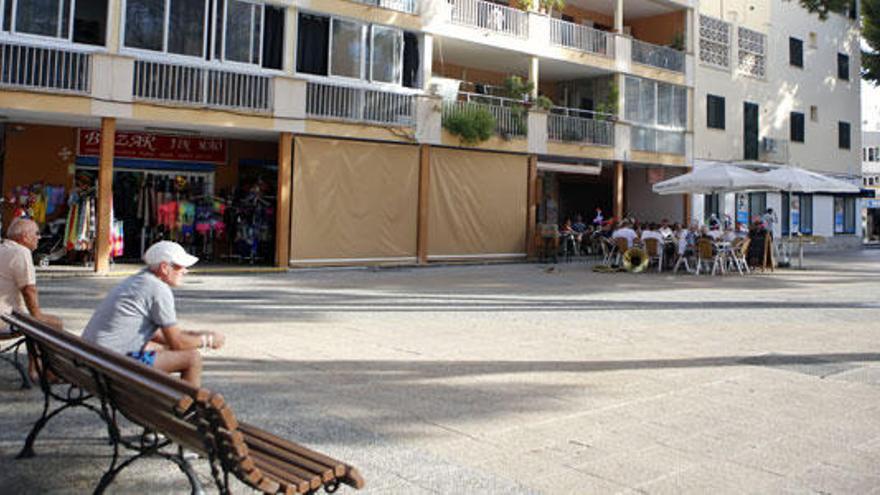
[625, 231]
[651, 232]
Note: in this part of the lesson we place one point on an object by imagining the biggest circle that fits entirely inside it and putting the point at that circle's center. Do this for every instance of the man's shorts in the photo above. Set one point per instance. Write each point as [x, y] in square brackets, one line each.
[146, 357]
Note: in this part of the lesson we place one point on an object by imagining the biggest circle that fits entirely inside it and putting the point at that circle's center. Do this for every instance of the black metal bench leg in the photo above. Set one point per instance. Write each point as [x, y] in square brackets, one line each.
[28, 450]
[16, 362]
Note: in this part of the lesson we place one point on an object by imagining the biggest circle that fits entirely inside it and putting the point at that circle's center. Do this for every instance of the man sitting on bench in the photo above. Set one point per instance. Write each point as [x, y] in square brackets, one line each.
[130, 318]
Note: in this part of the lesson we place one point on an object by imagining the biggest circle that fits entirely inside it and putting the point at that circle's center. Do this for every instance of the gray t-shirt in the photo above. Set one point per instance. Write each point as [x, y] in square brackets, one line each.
[131, 313]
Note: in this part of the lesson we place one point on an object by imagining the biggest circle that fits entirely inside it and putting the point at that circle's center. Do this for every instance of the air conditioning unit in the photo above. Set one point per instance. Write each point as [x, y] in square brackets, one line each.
[769, 145]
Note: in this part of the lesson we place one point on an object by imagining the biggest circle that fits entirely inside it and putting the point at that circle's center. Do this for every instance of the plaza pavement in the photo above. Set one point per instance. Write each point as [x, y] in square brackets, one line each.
[519, 379]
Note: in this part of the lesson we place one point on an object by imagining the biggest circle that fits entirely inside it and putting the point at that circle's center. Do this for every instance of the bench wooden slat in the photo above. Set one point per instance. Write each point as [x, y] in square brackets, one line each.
[301, 484]
[296, 463]
[337, 467]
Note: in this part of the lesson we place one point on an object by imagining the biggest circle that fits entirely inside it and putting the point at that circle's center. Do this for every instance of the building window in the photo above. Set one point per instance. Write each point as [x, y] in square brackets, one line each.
[230, 30]
[51, 18]
[714, 42]
[757, 204]
[659, 111]
[328, 46]
[796, 52]
[872, 154]
[844, 215]
[843, 66]
[814, 113]
[752, 52]
[715, 112]
[806, 223]
[843, 138]
[797, 127]
[797, 214]
[711, 206]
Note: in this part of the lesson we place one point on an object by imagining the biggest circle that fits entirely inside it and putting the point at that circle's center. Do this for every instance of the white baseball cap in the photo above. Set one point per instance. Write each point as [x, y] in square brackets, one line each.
[169, 252]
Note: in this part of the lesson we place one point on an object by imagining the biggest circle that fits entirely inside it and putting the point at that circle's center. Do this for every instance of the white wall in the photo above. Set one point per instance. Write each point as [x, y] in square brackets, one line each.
[785, 88]
[642, 203]
[823, 215]
[774, 200]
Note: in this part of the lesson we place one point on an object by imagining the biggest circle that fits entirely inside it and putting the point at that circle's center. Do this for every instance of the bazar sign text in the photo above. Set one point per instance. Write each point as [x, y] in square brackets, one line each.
[155, 146]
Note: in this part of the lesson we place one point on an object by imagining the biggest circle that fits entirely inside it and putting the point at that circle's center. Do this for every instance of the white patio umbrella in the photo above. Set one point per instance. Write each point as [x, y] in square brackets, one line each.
[712, 178]
[795, 179]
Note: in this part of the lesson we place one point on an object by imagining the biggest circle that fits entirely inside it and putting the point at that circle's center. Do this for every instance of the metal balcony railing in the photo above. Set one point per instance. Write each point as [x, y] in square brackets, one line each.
[583, 38]
[511, 117]
[43, 68]
[491, 16]
[658, 140]
[194, 85]
[408, 6]
[657, 56]
[359, 104]
[580, 126]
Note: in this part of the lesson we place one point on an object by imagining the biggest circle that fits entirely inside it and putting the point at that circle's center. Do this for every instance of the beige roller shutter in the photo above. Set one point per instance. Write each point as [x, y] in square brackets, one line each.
[354, 201]
[477, 204]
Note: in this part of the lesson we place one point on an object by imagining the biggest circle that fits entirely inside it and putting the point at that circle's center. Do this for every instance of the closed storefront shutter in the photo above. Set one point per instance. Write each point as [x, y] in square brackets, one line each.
[477, 204]
[354, 201]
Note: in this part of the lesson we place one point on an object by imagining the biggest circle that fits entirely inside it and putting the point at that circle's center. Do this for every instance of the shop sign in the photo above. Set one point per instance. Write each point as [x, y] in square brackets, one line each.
[742, 209]
[149, 146]
[872, 203]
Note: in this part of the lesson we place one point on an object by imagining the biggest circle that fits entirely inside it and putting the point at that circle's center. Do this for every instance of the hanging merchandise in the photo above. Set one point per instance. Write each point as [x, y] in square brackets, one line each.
[37, 201]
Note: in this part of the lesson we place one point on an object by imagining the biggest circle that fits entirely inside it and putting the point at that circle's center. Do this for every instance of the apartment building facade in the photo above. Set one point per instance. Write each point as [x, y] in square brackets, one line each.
[871, 182]
[321, 125]
[777, 86]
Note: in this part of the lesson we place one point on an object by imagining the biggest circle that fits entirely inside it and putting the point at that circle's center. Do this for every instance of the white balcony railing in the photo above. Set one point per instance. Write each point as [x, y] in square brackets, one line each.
[201, 86]
[408, 6]
[583, 38]
[511, 117]
[45, 68]
[657, 140]
[579, 126]
[657, 56]
[491, 16]
[359, 104]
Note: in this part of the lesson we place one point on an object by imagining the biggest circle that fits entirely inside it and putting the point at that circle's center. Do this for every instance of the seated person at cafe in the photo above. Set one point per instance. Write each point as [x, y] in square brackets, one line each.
[665, 230]
[579, 226]
[729, 235]
[651, 232]
[625, 231]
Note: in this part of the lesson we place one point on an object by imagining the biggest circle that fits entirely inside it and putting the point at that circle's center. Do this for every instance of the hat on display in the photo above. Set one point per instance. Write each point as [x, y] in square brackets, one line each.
[169, 252]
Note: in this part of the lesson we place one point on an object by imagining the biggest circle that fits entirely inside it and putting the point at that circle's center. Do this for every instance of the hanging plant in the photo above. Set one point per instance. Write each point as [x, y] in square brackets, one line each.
[544, 103]
[472, 124]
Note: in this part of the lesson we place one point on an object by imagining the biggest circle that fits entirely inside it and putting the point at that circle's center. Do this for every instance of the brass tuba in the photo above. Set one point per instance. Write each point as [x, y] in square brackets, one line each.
[635, 260]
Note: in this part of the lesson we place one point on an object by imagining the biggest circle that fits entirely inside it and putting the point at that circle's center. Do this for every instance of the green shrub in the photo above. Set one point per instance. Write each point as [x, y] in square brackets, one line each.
[473, 124]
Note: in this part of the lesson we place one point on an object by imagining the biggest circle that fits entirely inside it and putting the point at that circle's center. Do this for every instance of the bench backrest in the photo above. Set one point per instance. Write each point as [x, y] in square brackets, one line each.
[144, 395]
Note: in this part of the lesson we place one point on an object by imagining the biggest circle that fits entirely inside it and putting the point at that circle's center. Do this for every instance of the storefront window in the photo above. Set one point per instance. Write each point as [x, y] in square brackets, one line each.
[844, 215]
[757, 204]
[51, 18]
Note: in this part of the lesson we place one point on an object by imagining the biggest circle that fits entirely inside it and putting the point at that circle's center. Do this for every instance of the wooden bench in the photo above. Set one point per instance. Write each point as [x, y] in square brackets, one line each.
[110, 384]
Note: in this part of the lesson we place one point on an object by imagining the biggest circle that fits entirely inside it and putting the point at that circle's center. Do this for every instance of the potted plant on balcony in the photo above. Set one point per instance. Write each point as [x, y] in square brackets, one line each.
[548, 6]
[472, 124]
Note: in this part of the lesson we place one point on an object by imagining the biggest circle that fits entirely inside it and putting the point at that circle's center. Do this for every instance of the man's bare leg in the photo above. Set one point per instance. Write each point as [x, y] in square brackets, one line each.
[188, 363]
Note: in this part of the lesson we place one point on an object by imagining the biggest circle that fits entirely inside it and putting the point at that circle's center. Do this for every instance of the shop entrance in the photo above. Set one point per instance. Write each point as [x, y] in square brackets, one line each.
[567, 195]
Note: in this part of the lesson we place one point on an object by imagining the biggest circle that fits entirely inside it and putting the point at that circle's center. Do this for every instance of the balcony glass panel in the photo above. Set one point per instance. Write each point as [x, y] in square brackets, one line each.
[345, 58]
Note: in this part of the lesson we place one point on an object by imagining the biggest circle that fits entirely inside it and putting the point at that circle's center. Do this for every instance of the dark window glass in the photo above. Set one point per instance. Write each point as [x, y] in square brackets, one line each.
[750, 131]
[313, 41]
[186, 27]
[843, 66]
[785, 218]
[7, 16]
[757, 204]
[411, 60]
[797, 127]
[796, 52]
[273, 38]
[711, 206]
[806, 213]
[715, 112]
[90, 22]
[144, 24]
[843, 139]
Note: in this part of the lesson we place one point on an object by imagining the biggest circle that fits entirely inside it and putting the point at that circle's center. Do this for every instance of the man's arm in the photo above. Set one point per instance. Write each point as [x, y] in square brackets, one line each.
[174, 338]
[31, 301]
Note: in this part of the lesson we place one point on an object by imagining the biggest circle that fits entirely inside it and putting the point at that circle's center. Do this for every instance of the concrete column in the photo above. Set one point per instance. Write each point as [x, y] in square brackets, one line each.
[429, 119]
[538, 136]
[534, 64]
[427, 60]
[282, 207]
[618, 17]
[618, 190]
[424, 184]
[290, 24]
[689, 32]
[105, 195]
[532, 212]
[114, 24]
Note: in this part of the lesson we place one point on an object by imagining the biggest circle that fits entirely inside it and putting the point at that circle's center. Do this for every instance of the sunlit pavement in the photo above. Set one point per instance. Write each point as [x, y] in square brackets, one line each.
[519, 379]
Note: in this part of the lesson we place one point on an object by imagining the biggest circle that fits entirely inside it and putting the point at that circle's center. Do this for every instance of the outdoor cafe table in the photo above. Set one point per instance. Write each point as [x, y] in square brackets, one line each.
[800, 241]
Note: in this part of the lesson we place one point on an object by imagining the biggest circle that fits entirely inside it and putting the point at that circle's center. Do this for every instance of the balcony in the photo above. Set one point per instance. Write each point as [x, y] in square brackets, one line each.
[570, 125]
[359, 104]
[662, 57]
[200, 86]
[511, 117]
[45, 68]
[490, 16]
[406, 6]
[581, 38]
